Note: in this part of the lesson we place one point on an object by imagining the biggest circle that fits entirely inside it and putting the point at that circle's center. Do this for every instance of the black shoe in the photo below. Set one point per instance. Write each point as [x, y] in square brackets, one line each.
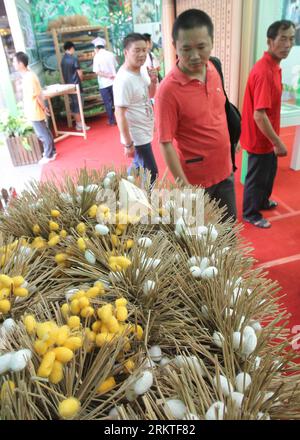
[271, 205]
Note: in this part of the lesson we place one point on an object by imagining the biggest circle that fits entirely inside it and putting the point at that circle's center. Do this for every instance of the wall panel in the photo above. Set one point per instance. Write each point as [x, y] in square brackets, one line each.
[227, 19]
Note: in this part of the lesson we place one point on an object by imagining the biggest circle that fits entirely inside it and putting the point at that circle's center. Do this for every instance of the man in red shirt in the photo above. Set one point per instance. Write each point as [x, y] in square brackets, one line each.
[190, 108]
[261, 123]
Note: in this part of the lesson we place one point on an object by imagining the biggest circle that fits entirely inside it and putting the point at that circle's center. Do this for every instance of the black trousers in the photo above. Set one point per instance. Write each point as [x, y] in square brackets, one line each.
[108, 100]
[262, 169]
[225, 192]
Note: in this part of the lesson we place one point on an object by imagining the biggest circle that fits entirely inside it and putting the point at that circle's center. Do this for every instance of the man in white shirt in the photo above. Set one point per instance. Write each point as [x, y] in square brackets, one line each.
[105, 66]
[134, 111]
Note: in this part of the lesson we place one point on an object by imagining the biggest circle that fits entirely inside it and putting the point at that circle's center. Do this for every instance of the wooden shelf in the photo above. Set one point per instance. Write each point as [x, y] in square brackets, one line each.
[89, 76]
[71, 30]
[59, 36]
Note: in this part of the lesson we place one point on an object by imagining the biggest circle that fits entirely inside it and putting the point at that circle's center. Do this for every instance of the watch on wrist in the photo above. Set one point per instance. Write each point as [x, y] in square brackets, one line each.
[129, 145]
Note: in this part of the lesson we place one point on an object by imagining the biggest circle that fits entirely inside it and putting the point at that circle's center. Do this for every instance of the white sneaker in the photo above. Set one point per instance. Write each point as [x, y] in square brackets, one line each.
[45, 160]
[80, 128]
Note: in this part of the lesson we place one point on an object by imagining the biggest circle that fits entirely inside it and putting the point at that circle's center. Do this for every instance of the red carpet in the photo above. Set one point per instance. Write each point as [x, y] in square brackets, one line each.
[278, 247]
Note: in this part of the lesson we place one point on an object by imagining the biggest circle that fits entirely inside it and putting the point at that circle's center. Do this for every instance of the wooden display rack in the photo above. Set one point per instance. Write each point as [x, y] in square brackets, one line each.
[59, 34]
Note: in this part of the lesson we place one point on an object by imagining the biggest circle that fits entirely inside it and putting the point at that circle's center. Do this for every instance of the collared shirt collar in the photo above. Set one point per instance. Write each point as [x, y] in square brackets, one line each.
[268, 57]
[181, 77]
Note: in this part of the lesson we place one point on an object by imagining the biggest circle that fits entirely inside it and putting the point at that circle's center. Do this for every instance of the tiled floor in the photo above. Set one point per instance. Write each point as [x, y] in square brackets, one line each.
[16, 176]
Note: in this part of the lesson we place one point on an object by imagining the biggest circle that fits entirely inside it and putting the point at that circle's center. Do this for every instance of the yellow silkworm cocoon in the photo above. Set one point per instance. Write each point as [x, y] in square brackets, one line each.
[124, 262]
[129, 244]
[36, 229]
[75, 308]
[57, 373]
[63, 233]
[78, 295]
[104, 328]
[39, 243]
[116, 262]
[53, 226]
[93, 211]
[62, 335]
[122, 227]
[63, 354]
[5, 306]
[83, 302]
[104, 209]
[47, 364]
[6, 280]
[73, 343]
[93, 292]
[122, 329]
[113, 325]
[61, 258]
[138, 332]
[43, 329]
[21, 292]
[119, 232]
[74, 322]
[7, 387]
[18, 281]
[129, 365]
[4, 293]
[55, 213]
[107, 385]
[96, 327]
[99, 284]
[54, 241]
[115, 267]
[65, 310]
[81, 228]
[115, 240]
[81, 244]
[30, 324]
[105, 313]
[104, 338]
[69, 408]
[91, 336]
[40, 347]
[127, 346]
[87, 312]
[121, 302]
[121, 313]
[51, 235]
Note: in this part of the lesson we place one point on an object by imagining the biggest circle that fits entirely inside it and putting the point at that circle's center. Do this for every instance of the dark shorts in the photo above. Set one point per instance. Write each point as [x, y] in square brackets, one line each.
[74, 103]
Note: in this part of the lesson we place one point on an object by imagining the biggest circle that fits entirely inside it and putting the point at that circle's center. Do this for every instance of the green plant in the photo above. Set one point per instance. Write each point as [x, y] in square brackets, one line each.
[16, 126]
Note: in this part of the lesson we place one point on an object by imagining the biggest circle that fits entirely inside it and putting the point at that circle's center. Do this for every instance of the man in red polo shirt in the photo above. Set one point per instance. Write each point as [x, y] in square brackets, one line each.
[190, 108]
[261, 123]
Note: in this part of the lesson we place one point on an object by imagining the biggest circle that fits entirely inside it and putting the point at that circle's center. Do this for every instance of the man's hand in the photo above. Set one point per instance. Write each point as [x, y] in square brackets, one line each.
[280, 149]
[153, 75]
[129, 152]
[47, 111]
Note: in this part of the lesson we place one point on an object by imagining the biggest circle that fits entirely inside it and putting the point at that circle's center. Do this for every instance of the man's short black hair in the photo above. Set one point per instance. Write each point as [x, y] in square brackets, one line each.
[277, 26]
[22, 58]
[147, 37]
[69, 45]
[132, 38]
[100, 47]
[190, 19]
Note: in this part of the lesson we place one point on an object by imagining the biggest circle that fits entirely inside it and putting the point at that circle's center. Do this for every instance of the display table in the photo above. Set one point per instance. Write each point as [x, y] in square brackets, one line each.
[62, 90]
[290, 117]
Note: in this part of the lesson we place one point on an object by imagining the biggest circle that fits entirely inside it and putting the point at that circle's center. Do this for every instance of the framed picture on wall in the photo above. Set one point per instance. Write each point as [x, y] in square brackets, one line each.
[291, 11]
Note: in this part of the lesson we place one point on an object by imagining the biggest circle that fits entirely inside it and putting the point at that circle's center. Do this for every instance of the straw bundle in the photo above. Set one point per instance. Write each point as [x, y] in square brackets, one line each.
[133, 321]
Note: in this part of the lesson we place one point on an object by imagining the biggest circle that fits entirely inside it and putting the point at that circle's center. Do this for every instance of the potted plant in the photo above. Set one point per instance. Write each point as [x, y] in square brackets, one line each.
[22, 143]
